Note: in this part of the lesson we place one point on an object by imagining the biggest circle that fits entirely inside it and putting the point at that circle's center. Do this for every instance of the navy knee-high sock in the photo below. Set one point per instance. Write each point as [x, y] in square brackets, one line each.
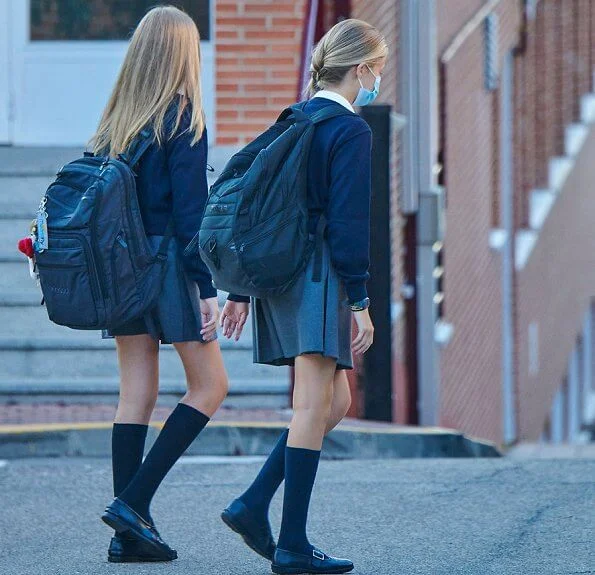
[259, 495]
[179, 431]
[128, 445]
[301, 466]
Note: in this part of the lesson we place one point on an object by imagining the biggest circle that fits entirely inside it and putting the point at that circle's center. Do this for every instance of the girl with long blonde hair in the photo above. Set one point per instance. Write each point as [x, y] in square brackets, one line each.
[309, 326]
[159, 88]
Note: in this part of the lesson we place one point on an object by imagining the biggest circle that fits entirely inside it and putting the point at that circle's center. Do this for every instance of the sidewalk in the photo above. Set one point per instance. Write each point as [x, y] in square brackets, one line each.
[64, 428]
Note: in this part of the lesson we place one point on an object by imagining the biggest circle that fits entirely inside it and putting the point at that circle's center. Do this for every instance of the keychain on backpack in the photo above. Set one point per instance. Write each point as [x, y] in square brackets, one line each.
[25, 246]
[41, 241]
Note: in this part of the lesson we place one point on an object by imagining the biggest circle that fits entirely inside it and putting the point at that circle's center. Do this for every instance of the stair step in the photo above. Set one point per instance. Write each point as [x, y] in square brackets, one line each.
[30, 326]
[99, 361]
[109, 386]
[26, 161]
[11, 231]
[20, 196]
[15, 278]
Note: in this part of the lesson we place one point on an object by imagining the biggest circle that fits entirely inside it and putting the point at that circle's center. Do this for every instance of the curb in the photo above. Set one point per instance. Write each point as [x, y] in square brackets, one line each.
[225, 438]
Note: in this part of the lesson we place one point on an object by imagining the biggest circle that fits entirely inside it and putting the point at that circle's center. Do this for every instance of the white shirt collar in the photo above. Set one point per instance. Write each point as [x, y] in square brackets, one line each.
[330, 95]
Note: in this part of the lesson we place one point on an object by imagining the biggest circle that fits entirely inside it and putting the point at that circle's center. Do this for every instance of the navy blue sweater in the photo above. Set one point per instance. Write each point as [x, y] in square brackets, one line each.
[339, 185]
[172, 178]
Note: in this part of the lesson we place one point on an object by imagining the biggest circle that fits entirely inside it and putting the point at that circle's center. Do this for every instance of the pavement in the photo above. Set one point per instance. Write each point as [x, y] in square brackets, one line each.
[405, 517]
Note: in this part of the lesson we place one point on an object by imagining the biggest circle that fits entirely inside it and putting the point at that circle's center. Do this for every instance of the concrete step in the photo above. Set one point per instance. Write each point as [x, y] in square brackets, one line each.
[11, 231]
[69, 389]
[20, 196]
[14, 277]
[67, 360]
[30, 324]
[19, 161]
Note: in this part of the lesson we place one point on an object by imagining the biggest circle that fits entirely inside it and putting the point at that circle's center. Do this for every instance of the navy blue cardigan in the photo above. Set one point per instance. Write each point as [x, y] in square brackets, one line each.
[339, 185]
[172, 178]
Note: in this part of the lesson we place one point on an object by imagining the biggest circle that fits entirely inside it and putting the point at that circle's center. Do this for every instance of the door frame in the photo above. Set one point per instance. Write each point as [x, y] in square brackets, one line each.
[6, 87]
[21, 50]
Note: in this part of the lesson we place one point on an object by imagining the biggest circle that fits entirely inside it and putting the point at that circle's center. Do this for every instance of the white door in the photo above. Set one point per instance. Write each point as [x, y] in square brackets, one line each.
[4, 72]
[65, 59]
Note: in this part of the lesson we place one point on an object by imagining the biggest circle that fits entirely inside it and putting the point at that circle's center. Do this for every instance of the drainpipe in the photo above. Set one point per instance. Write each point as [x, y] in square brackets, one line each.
[308, 38]
[422, 205]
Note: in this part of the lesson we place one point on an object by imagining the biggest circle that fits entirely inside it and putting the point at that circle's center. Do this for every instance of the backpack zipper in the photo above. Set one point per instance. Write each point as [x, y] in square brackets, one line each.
[119, 241]
[266, 233]
[133, 238]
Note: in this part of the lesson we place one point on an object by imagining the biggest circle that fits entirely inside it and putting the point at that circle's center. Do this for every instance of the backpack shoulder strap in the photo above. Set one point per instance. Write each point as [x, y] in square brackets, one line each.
[329, 112]
[144, 139]
[138, 148]
[297, 112]
[291, 111]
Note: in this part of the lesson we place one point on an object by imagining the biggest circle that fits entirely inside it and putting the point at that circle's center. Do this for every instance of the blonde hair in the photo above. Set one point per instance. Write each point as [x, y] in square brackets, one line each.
[163, 60]
[347, 44]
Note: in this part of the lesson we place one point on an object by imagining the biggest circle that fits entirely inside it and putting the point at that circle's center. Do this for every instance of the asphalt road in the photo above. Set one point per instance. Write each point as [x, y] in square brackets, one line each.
[440, 517]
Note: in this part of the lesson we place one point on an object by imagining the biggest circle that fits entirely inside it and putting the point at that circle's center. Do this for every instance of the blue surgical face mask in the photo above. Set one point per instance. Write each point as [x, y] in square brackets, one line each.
[365, 96]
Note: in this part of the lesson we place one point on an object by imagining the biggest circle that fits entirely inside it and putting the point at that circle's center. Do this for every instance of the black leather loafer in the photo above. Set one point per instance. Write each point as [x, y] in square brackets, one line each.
[124, 519]
[289, 563]
[257, 535]
[126, 549]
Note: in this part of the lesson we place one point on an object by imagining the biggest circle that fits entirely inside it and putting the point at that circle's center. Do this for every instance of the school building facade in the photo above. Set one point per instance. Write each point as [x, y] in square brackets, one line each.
[492, 266]
[485, 145]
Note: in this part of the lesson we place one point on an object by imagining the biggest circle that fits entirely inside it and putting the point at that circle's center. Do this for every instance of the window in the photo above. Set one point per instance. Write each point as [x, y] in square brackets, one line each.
[103, 19]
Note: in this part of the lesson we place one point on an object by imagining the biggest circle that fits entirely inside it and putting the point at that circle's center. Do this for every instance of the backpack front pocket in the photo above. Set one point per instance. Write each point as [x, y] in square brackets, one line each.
[69, 284]
[268, 254]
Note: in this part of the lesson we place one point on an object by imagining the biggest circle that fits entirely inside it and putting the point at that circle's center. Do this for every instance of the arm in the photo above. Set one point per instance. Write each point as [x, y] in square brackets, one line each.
[348, 212]
[188, 180]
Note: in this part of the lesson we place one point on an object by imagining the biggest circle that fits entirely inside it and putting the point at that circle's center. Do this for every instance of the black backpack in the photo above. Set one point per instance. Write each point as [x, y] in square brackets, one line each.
[254, 235]
[97, 270]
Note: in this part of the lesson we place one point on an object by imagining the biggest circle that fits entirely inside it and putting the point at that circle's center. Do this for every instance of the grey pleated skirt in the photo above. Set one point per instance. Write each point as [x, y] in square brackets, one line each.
[177, 317]
[309, 318]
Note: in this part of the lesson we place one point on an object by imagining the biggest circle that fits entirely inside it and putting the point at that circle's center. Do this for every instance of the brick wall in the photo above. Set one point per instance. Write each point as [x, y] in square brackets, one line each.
[555, 287]
[471, 363]
[451, 17]
[258, 52]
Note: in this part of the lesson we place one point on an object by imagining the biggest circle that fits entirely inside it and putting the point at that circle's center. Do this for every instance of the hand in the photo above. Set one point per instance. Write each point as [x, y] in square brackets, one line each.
[209, 312]
[365, 332]
[234, 318]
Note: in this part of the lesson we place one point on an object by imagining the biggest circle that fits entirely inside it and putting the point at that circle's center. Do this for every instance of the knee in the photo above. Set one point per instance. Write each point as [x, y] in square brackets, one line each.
[317, 412]
[137, 409]
[215, 388]
[345, 406]
[221, 387]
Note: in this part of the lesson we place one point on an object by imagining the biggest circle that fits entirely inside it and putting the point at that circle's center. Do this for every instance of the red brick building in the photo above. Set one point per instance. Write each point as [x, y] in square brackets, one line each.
[493, 336]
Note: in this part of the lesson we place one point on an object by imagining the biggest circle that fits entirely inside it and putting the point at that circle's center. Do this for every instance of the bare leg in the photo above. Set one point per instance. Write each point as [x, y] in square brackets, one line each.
[206, 378]
[341, 400]
[207, 386]
[312, 400]
[138, 358]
